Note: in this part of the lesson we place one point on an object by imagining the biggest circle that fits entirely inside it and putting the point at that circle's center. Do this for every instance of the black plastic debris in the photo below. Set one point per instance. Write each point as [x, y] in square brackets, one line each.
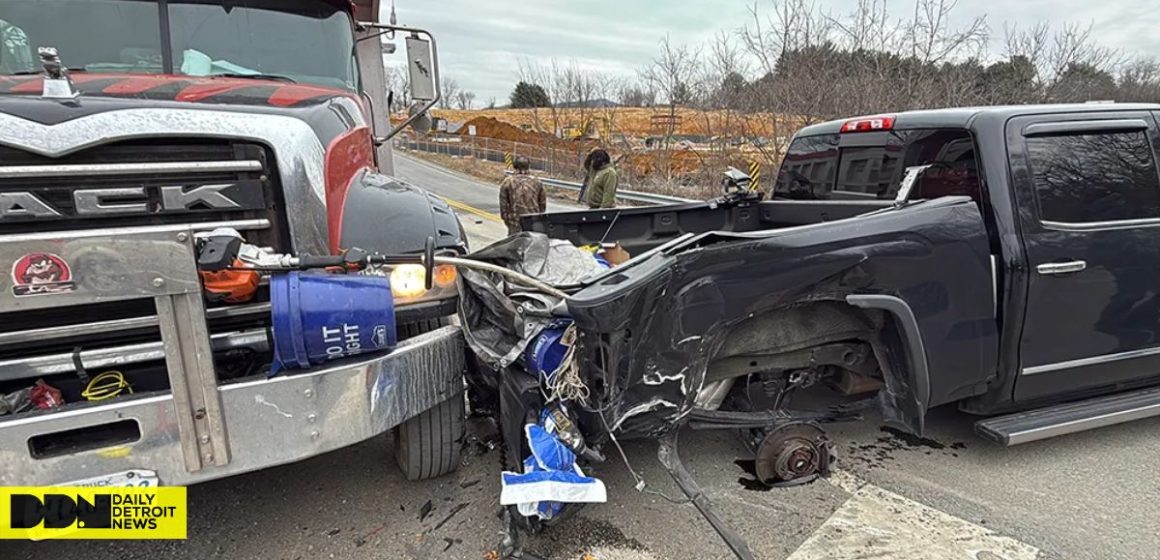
[454, 511]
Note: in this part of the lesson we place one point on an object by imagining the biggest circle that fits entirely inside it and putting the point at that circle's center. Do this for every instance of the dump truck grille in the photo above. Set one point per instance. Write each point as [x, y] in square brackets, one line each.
[154, 182]
[140, 183]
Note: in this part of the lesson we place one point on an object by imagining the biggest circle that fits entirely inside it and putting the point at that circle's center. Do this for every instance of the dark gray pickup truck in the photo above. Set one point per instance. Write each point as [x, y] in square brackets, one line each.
[1004, 260]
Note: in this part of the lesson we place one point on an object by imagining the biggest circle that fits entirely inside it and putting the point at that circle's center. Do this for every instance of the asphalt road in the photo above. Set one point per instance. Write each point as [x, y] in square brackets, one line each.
[1090, 496]
[476, 202]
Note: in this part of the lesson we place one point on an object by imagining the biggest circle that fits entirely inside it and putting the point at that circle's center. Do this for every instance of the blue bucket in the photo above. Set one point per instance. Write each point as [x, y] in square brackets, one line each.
[545, 352]
[321, 317]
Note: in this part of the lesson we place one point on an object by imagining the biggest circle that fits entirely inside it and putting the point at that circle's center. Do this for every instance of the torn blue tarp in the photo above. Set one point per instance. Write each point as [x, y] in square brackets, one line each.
[550, 479]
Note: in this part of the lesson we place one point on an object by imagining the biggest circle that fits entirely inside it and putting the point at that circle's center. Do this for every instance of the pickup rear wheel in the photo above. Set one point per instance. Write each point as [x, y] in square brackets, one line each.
[428, 445]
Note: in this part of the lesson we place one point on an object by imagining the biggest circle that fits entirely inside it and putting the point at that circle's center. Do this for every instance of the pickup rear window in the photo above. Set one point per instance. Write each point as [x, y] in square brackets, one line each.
[871, 165]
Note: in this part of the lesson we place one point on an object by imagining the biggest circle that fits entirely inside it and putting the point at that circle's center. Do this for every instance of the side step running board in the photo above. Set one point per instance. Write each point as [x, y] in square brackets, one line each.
[1043, 423]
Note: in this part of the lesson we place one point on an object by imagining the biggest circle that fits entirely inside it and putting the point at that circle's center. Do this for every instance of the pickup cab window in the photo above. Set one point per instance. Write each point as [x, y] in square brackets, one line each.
[871, 165]
[1102, 177]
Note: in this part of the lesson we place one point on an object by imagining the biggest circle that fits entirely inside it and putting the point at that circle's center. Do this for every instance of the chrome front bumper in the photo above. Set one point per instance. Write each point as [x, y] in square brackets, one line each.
[268, 421]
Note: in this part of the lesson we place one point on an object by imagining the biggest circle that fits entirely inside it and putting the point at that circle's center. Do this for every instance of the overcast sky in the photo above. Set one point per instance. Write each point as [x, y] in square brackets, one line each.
[480, 41]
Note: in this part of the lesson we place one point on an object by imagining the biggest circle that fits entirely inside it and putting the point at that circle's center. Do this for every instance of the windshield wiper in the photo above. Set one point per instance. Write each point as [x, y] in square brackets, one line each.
[275, 77]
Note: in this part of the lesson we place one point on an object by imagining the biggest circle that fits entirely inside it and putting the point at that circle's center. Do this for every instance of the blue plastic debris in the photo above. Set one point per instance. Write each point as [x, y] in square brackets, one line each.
[551, 478]
[546, 351]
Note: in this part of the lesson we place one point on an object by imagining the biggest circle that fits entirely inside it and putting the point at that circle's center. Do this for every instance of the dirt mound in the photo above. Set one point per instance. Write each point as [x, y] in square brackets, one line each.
[489, 127]
[643, 164]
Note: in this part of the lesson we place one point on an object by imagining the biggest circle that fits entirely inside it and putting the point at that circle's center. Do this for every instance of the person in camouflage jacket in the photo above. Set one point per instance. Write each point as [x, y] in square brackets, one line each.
[521, 194]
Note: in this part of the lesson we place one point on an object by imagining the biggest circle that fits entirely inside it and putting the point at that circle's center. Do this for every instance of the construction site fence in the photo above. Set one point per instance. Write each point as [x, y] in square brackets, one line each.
[555, 162]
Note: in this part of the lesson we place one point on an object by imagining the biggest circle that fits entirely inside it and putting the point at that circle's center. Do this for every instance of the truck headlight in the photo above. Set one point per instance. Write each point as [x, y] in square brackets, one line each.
[408, 281]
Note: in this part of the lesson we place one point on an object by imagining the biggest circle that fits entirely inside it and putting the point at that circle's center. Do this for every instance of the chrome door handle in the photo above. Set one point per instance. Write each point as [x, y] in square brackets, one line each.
[1061, 267]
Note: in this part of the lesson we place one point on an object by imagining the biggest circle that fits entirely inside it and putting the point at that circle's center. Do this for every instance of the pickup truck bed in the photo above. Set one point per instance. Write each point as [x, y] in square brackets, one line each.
[1024, 281]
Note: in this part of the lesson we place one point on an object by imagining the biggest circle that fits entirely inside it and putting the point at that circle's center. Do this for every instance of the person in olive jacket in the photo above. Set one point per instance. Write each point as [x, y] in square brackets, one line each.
[603, 184]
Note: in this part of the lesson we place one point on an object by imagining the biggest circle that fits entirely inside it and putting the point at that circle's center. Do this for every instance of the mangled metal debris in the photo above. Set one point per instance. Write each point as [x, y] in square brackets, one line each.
[551, 379]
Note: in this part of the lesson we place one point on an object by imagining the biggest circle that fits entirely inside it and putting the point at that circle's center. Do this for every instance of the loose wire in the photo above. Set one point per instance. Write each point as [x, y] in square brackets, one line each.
[641, 486]
[565, 383]
[106, 386]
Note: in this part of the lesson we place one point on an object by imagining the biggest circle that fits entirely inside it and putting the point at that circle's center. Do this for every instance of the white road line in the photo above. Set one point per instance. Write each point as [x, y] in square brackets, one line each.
[877, 523]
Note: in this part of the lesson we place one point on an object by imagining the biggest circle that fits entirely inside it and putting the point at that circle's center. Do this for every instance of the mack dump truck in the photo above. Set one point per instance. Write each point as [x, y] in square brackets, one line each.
[128, 129]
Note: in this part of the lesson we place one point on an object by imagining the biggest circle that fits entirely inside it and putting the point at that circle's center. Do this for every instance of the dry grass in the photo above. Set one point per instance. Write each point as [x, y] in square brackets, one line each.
[638, 121]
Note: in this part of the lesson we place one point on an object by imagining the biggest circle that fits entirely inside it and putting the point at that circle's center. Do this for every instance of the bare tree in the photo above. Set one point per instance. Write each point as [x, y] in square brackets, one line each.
[636, 95]
[1080, 69]
[1068, 64]
[1140, 81]
[450, 92]
[796, 63]
[933, 44]
[672, 73]
[580, 89]
[608, 89]
[464, 99]
[398, 81]
[789, 47]
[548, 76]
[724, 88]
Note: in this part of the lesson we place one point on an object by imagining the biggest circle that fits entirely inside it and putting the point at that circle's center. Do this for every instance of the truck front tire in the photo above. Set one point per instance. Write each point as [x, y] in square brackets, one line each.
[428, 445]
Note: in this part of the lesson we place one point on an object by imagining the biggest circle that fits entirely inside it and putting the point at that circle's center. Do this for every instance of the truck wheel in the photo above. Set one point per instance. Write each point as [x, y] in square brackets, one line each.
[428, 445]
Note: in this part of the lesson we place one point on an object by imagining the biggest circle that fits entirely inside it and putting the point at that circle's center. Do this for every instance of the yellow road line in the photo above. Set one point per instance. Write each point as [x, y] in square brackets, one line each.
[472, 210]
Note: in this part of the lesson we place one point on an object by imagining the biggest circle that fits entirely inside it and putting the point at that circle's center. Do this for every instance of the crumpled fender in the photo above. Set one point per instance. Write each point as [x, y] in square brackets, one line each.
[907, 395]
[387, 215]
[650, 330]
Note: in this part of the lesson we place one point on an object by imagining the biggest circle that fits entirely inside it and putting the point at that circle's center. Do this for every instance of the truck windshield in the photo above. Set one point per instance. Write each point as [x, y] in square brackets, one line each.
[307, 41]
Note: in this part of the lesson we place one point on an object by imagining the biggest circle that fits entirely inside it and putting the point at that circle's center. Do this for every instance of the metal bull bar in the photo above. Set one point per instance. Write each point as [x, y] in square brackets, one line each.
[61, 269]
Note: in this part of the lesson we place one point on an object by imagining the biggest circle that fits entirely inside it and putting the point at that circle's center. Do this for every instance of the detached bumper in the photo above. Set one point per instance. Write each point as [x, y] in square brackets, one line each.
[268, 422]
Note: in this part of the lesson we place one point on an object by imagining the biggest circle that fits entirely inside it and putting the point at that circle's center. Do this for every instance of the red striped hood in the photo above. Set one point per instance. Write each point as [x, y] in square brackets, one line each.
[163, 87]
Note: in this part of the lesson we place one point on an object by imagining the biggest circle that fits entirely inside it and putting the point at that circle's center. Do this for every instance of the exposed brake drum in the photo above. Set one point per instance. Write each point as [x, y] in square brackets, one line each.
[793, 453]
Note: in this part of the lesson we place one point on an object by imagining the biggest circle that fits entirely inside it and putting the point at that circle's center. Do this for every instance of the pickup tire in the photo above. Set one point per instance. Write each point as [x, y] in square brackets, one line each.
[428, 445]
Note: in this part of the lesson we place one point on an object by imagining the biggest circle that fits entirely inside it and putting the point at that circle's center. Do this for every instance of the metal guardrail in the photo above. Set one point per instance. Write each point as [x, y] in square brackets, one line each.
[631, 196]
[498, 157]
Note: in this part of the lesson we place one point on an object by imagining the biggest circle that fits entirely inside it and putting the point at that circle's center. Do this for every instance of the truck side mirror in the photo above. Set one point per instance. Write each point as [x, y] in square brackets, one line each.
[422, 69]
